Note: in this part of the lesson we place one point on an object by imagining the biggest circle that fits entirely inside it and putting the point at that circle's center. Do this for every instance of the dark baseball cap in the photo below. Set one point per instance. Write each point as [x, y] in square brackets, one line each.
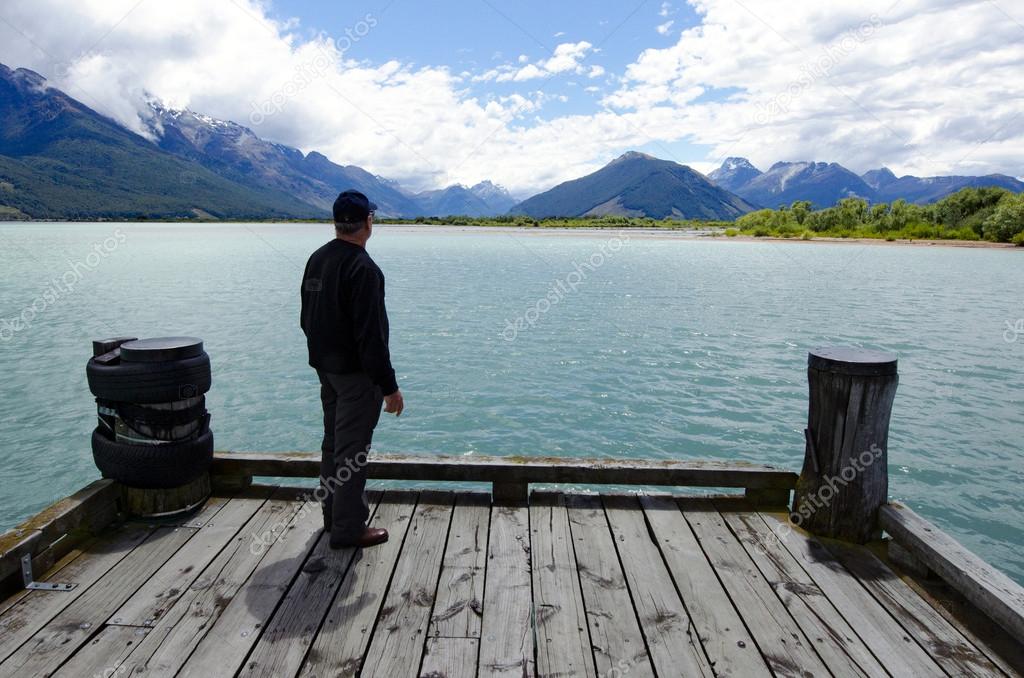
[352, 207]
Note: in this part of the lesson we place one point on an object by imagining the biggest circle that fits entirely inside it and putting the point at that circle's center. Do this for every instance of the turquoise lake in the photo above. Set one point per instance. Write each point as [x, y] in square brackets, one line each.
[663, 347]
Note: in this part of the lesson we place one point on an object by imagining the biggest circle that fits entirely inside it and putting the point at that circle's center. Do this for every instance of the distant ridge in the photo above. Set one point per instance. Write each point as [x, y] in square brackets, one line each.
[823, 184]
[59, 159]
[637, 185]
[236, 152]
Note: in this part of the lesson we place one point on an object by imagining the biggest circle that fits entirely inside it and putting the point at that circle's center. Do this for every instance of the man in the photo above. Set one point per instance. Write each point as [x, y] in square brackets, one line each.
[346, 327]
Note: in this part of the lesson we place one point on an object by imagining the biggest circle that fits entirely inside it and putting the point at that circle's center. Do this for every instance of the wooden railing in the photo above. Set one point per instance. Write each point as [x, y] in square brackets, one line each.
[997, 596]
[511, 477]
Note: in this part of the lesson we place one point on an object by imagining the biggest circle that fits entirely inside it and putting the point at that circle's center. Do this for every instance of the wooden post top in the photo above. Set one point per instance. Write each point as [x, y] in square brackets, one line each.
[853, 361]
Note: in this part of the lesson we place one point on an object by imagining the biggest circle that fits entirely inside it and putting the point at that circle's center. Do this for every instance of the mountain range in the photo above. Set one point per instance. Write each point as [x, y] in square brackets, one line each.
[638, 185]
[824, 184]
[59, 159]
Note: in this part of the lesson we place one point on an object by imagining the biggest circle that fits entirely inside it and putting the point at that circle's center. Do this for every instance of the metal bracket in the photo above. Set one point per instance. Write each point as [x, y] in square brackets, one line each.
[196, 524]
[32, 585]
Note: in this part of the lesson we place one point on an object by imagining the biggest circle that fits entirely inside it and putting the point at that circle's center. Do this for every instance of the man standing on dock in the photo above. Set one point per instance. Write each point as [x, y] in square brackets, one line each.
[346, 327]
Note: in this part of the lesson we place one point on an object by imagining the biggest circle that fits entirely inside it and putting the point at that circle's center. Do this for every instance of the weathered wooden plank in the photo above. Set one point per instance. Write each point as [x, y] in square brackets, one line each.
[396, 648]
[35, 609]
[460, 592]
[895, 649]
[181, 628]
[1003, 651]
[951, 650]
[719, 626]
[339, 648]
[86, 511]
[672, 640]
[563, 636]
[615, 635]
[450, 658]
[782, 643]
[79, 621]
[104, 653]
[289, 635]
[506, 643]
[511, 470]
[238, 627]
[221, 519]
[995, 594]
[837, 643]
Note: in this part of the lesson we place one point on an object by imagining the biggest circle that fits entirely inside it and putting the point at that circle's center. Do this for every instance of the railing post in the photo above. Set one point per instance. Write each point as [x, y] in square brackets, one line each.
[510, 492]
[766, 498]
[845, 477]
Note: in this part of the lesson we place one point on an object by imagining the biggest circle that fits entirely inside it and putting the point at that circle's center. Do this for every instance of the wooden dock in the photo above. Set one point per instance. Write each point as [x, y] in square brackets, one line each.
[526, 579]
[560, 585]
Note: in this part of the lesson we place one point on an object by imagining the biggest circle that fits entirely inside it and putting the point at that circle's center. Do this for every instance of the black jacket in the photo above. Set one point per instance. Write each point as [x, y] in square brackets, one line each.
[343, 314]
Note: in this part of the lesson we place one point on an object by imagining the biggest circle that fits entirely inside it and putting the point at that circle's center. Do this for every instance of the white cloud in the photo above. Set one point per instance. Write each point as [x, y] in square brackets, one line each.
[796, 81]
[864, 86]
[566, 58]
[666, 9]
[664, 28]
[596, 72]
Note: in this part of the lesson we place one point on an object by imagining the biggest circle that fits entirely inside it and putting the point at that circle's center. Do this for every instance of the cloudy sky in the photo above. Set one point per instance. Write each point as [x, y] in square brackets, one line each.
[530, 93]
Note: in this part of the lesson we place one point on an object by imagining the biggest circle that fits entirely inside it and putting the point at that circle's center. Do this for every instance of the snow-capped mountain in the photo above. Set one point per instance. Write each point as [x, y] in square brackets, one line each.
[236, 151]
[734, 173]
[59, 159]
[497, 197]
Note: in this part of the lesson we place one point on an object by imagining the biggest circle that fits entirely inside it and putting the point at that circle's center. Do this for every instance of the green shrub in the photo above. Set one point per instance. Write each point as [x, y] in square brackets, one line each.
[1007, 220]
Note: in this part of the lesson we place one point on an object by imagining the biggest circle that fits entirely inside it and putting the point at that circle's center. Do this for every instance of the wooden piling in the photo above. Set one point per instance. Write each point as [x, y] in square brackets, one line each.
[845, 476]
[149, 503]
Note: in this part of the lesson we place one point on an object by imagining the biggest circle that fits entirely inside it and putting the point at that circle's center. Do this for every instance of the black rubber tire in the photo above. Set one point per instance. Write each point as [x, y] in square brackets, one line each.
[150, 382]
[152, 467]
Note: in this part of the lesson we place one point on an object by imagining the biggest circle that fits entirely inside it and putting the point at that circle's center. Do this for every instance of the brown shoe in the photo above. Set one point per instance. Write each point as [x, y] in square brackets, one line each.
[371, 536]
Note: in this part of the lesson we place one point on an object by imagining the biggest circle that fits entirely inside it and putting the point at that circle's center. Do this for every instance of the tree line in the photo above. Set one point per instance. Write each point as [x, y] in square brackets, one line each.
[993, 214]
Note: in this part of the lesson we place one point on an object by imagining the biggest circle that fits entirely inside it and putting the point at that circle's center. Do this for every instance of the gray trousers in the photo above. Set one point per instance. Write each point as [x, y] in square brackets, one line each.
[352, 406]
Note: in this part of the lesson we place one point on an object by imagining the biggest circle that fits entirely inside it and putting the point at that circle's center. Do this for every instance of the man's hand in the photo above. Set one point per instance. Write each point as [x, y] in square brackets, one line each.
[394, 404]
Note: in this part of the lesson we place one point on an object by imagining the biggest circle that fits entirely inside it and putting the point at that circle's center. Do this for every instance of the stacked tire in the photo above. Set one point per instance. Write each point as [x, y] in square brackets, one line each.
[153, 431]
